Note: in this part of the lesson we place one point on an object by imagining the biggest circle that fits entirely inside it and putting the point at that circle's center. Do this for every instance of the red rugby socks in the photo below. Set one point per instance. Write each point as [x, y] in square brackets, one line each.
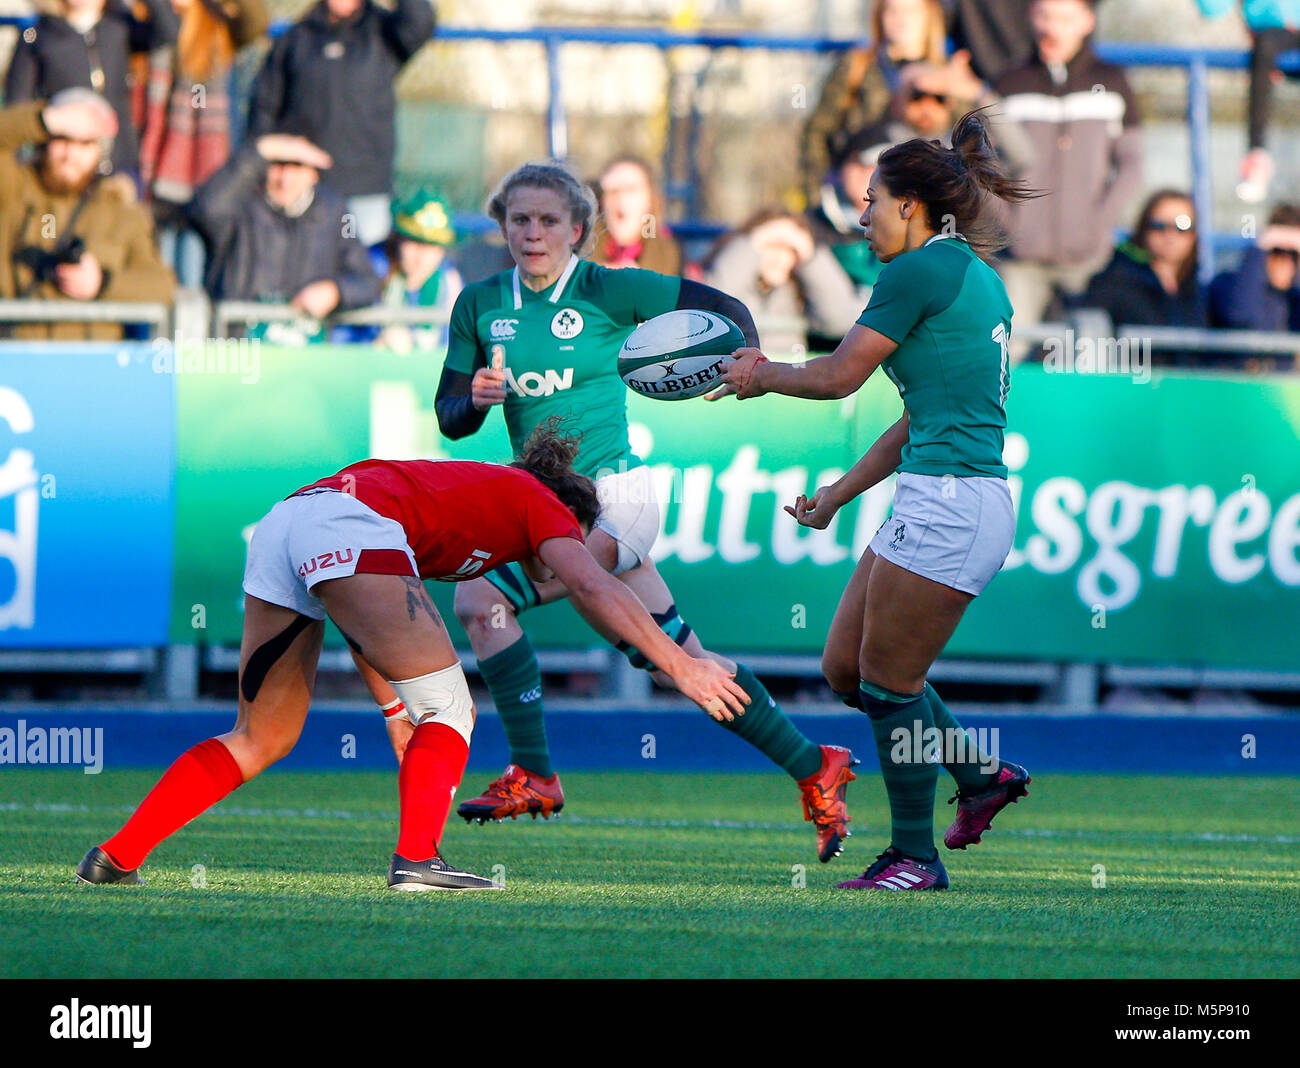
[431, 770]
[199, 778]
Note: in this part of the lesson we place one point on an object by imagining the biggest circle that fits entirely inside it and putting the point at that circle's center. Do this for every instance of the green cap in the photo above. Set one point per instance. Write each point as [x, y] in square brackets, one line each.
[424, 217]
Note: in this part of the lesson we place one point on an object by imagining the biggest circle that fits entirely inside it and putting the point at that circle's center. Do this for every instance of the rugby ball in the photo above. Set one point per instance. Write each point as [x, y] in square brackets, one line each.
[678, 355]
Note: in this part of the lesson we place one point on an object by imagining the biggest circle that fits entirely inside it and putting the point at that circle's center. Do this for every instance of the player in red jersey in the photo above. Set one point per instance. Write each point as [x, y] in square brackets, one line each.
[355, 547]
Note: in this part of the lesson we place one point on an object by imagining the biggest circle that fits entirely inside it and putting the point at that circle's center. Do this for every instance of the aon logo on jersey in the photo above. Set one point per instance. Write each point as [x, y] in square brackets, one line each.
[537, 384]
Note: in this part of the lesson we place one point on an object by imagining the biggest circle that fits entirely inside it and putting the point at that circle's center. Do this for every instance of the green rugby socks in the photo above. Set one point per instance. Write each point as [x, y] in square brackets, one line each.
[769, 730]
[899, 722]
[515, 680]
[971, 770]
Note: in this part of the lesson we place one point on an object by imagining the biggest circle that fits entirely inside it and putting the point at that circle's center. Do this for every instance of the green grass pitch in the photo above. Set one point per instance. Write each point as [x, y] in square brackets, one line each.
[655, 875]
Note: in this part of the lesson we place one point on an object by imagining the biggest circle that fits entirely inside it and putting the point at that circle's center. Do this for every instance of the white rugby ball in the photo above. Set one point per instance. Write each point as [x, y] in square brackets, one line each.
[678, 355]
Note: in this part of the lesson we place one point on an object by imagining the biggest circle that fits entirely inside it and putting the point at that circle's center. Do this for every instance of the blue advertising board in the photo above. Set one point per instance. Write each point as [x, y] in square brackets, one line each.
[87, 455]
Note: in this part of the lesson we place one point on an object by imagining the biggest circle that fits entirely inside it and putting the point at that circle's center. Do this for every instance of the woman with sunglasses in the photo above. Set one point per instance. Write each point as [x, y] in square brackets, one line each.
[1151, 280]
[930, 100]
[860, 86]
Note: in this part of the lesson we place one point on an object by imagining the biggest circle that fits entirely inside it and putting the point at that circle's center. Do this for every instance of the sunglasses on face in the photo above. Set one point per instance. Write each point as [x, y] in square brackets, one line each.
[1183, 224]
[1292, 254]
[921, 94]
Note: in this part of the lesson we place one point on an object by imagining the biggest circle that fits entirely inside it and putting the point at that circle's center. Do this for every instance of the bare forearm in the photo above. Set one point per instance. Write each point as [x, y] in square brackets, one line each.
[814, 380]
[617, 614]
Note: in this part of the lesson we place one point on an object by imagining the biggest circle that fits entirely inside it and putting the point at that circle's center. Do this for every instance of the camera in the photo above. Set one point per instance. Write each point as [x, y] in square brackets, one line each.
[42, 261]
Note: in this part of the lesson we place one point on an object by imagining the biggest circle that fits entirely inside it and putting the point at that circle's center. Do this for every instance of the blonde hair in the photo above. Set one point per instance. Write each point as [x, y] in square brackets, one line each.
[936, 37]
[557, 176]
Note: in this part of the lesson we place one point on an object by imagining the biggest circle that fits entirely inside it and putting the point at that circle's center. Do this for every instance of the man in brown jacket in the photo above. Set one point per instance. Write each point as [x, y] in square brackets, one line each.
[66, 232]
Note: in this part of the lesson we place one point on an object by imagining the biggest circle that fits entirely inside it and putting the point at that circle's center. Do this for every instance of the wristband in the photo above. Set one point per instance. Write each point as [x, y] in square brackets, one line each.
[393, 709]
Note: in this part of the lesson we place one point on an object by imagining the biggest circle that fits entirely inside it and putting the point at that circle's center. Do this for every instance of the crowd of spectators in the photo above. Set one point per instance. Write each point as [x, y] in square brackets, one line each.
[129, 181]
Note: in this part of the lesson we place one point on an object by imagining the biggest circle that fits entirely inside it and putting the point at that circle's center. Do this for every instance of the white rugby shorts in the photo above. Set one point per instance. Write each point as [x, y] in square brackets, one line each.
[956, 531]
[317, 536]
[629, 513]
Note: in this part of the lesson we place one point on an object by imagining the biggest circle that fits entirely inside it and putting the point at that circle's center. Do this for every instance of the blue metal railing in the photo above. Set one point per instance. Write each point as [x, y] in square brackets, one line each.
[1196, 61]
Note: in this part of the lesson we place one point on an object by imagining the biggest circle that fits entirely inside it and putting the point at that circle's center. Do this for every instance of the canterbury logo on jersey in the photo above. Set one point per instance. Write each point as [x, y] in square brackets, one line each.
[502, 329]
[476, 560]
[537, 384]
[318, 563]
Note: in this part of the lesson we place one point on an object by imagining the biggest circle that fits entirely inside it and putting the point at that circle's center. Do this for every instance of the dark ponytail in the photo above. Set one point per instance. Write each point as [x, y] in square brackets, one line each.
[955, 184]
[548, 456]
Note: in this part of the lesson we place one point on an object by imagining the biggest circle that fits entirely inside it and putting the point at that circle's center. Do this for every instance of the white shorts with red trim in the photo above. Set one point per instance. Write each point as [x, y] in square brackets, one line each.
[324, 534]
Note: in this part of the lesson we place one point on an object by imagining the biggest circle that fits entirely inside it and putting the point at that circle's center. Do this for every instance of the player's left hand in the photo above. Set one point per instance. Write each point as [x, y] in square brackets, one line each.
[400, 729]
[738, 376]
[816, 513]
[81, 280]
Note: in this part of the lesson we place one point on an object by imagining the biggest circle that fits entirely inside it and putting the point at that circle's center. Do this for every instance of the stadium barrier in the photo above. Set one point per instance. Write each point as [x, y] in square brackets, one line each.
[1144, 545]
[157, 317]
[193, 317]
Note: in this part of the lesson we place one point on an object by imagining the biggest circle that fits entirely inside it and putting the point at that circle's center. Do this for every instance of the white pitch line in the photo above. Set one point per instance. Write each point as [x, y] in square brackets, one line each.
[1215, 837]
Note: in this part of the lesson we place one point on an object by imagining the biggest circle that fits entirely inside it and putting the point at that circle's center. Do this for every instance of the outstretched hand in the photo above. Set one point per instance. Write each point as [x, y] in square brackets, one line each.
[738, 376]
[713, 688]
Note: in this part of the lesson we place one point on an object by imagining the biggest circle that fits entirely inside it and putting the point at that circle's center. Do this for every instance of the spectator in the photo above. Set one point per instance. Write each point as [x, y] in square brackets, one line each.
[863, 80]
[66, 231]
[330, 78]
[185, 135]
[273, 234]
[773, 266]
[1264, 292]
[1151, 279]
[417, 271]
[1275, 25]
[87, 44]
[996, 34]
[1081, 119]
[930, 100]
[633, 232]
[923, 105]
[833, 218]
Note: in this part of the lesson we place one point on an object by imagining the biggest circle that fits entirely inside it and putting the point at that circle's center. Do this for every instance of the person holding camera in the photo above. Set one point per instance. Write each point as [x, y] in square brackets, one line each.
[67, 232]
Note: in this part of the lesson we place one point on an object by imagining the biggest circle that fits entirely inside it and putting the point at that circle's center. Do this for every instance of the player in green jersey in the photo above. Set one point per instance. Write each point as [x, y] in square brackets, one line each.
[939, 323]
[542, 342]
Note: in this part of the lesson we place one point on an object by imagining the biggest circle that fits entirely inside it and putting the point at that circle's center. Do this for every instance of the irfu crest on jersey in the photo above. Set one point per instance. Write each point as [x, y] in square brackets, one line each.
[567, 324]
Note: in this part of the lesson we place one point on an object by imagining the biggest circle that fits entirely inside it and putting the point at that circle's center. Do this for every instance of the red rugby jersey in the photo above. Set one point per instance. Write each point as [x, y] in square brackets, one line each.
[462, 518]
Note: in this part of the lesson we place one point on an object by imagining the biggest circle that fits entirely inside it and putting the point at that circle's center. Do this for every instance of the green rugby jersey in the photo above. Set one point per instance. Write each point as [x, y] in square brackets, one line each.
[950, 315]
[561, 349]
